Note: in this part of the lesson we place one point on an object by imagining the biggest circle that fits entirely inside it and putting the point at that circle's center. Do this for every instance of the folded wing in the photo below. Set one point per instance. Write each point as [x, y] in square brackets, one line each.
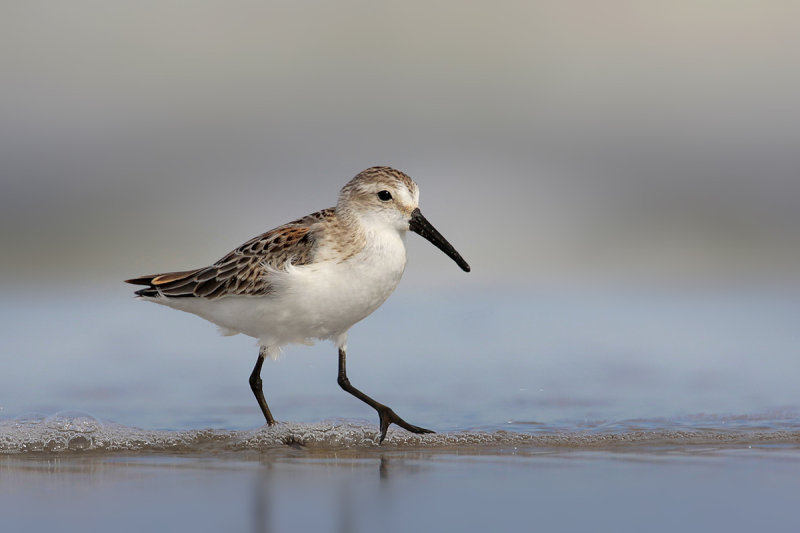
[245, 270]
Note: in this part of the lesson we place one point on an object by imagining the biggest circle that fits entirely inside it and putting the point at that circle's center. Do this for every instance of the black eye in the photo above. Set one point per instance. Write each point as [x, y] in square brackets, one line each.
[385, 196]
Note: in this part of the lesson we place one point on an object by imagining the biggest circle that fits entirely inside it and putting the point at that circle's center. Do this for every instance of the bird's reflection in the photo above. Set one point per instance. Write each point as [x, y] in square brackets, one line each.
[260, 511]
[339, 493]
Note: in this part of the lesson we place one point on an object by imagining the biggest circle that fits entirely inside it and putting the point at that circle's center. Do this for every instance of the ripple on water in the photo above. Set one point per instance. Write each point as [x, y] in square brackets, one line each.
[74, 432]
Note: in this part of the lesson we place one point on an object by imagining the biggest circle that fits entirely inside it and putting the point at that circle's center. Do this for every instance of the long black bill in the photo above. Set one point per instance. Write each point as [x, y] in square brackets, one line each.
[419, 224]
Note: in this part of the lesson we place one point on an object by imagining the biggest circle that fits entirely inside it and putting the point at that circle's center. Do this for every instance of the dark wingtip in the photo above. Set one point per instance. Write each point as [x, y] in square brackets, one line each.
[146, 292]
[143, 280]
[150, 290]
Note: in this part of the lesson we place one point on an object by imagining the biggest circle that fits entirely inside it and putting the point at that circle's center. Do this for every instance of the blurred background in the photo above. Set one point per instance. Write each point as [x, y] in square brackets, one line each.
[573, 152]
[554, 142]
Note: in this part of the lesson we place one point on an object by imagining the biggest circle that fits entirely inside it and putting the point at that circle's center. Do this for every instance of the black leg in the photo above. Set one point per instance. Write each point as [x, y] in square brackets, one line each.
[387, 416]
[255, 385]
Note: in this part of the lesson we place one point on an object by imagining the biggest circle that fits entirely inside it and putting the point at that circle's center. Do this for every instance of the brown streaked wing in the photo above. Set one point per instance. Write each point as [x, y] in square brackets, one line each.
[242, 272]
[154, 279]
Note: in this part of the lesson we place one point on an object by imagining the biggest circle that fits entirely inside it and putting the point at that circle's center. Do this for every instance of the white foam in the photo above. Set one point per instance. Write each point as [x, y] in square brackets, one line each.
[71, 432]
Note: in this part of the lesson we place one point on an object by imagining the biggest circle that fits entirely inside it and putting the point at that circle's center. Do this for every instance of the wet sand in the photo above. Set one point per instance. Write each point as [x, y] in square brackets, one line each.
[293, 488]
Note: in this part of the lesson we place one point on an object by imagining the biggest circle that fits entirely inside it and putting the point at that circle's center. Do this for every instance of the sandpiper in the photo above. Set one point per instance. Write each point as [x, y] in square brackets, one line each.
[312, 278]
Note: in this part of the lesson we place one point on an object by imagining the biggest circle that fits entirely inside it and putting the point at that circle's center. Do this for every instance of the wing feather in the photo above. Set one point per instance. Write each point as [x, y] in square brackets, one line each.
[245, 270]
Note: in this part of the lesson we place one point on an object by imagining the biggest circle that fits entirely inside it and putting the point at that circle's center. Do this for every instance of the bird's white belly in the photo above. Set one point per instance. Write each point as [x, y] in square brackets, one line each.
[316, 301]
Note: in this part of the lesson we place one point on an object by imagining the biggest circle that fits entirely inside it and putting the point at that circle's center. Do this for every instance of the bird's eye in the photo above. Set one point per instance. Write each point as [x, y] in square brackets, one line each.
[385, 196]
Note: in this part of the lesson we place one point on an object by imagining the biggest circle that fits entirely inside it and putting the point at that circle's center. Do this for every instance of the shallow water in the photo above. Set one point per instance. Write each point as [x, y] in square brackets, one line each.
[705, 486]
[559, 411]
[441, 360]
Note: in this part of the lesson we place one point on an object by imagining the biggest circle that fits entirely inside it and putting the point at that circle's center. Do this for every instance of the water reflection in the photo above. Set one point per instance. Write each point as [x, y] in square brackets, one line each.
[398, 491]
[384, 468]
[261, 508]
[340, 493]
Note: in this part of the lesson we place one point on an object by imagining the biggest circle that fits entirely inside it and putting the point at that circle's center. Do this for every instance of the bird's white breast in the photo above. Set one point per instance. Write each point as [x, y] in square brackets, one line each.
[315, 301]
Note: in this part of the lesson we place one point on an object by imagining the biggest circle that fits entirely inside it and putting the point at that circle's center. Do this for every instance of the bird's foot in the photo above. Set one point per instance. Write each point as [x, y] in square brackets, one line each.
[387, 417]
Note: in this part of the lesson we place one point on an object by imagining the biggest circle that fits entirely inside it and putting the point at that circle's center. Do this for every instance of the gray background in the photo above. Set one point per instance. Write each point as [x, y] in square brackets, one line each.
[554, 142]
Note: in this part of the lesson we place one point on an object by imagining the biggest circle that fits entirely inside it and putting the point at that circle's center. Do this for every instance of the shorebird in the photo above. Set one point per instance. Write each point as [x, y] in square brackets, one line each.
[312, 278]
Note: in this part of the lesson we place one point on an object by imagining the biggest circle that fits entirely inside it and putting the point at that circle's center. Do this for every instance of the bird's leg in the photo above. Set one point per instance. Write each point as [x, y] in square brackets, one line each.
[255, 385]
[387, 416]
